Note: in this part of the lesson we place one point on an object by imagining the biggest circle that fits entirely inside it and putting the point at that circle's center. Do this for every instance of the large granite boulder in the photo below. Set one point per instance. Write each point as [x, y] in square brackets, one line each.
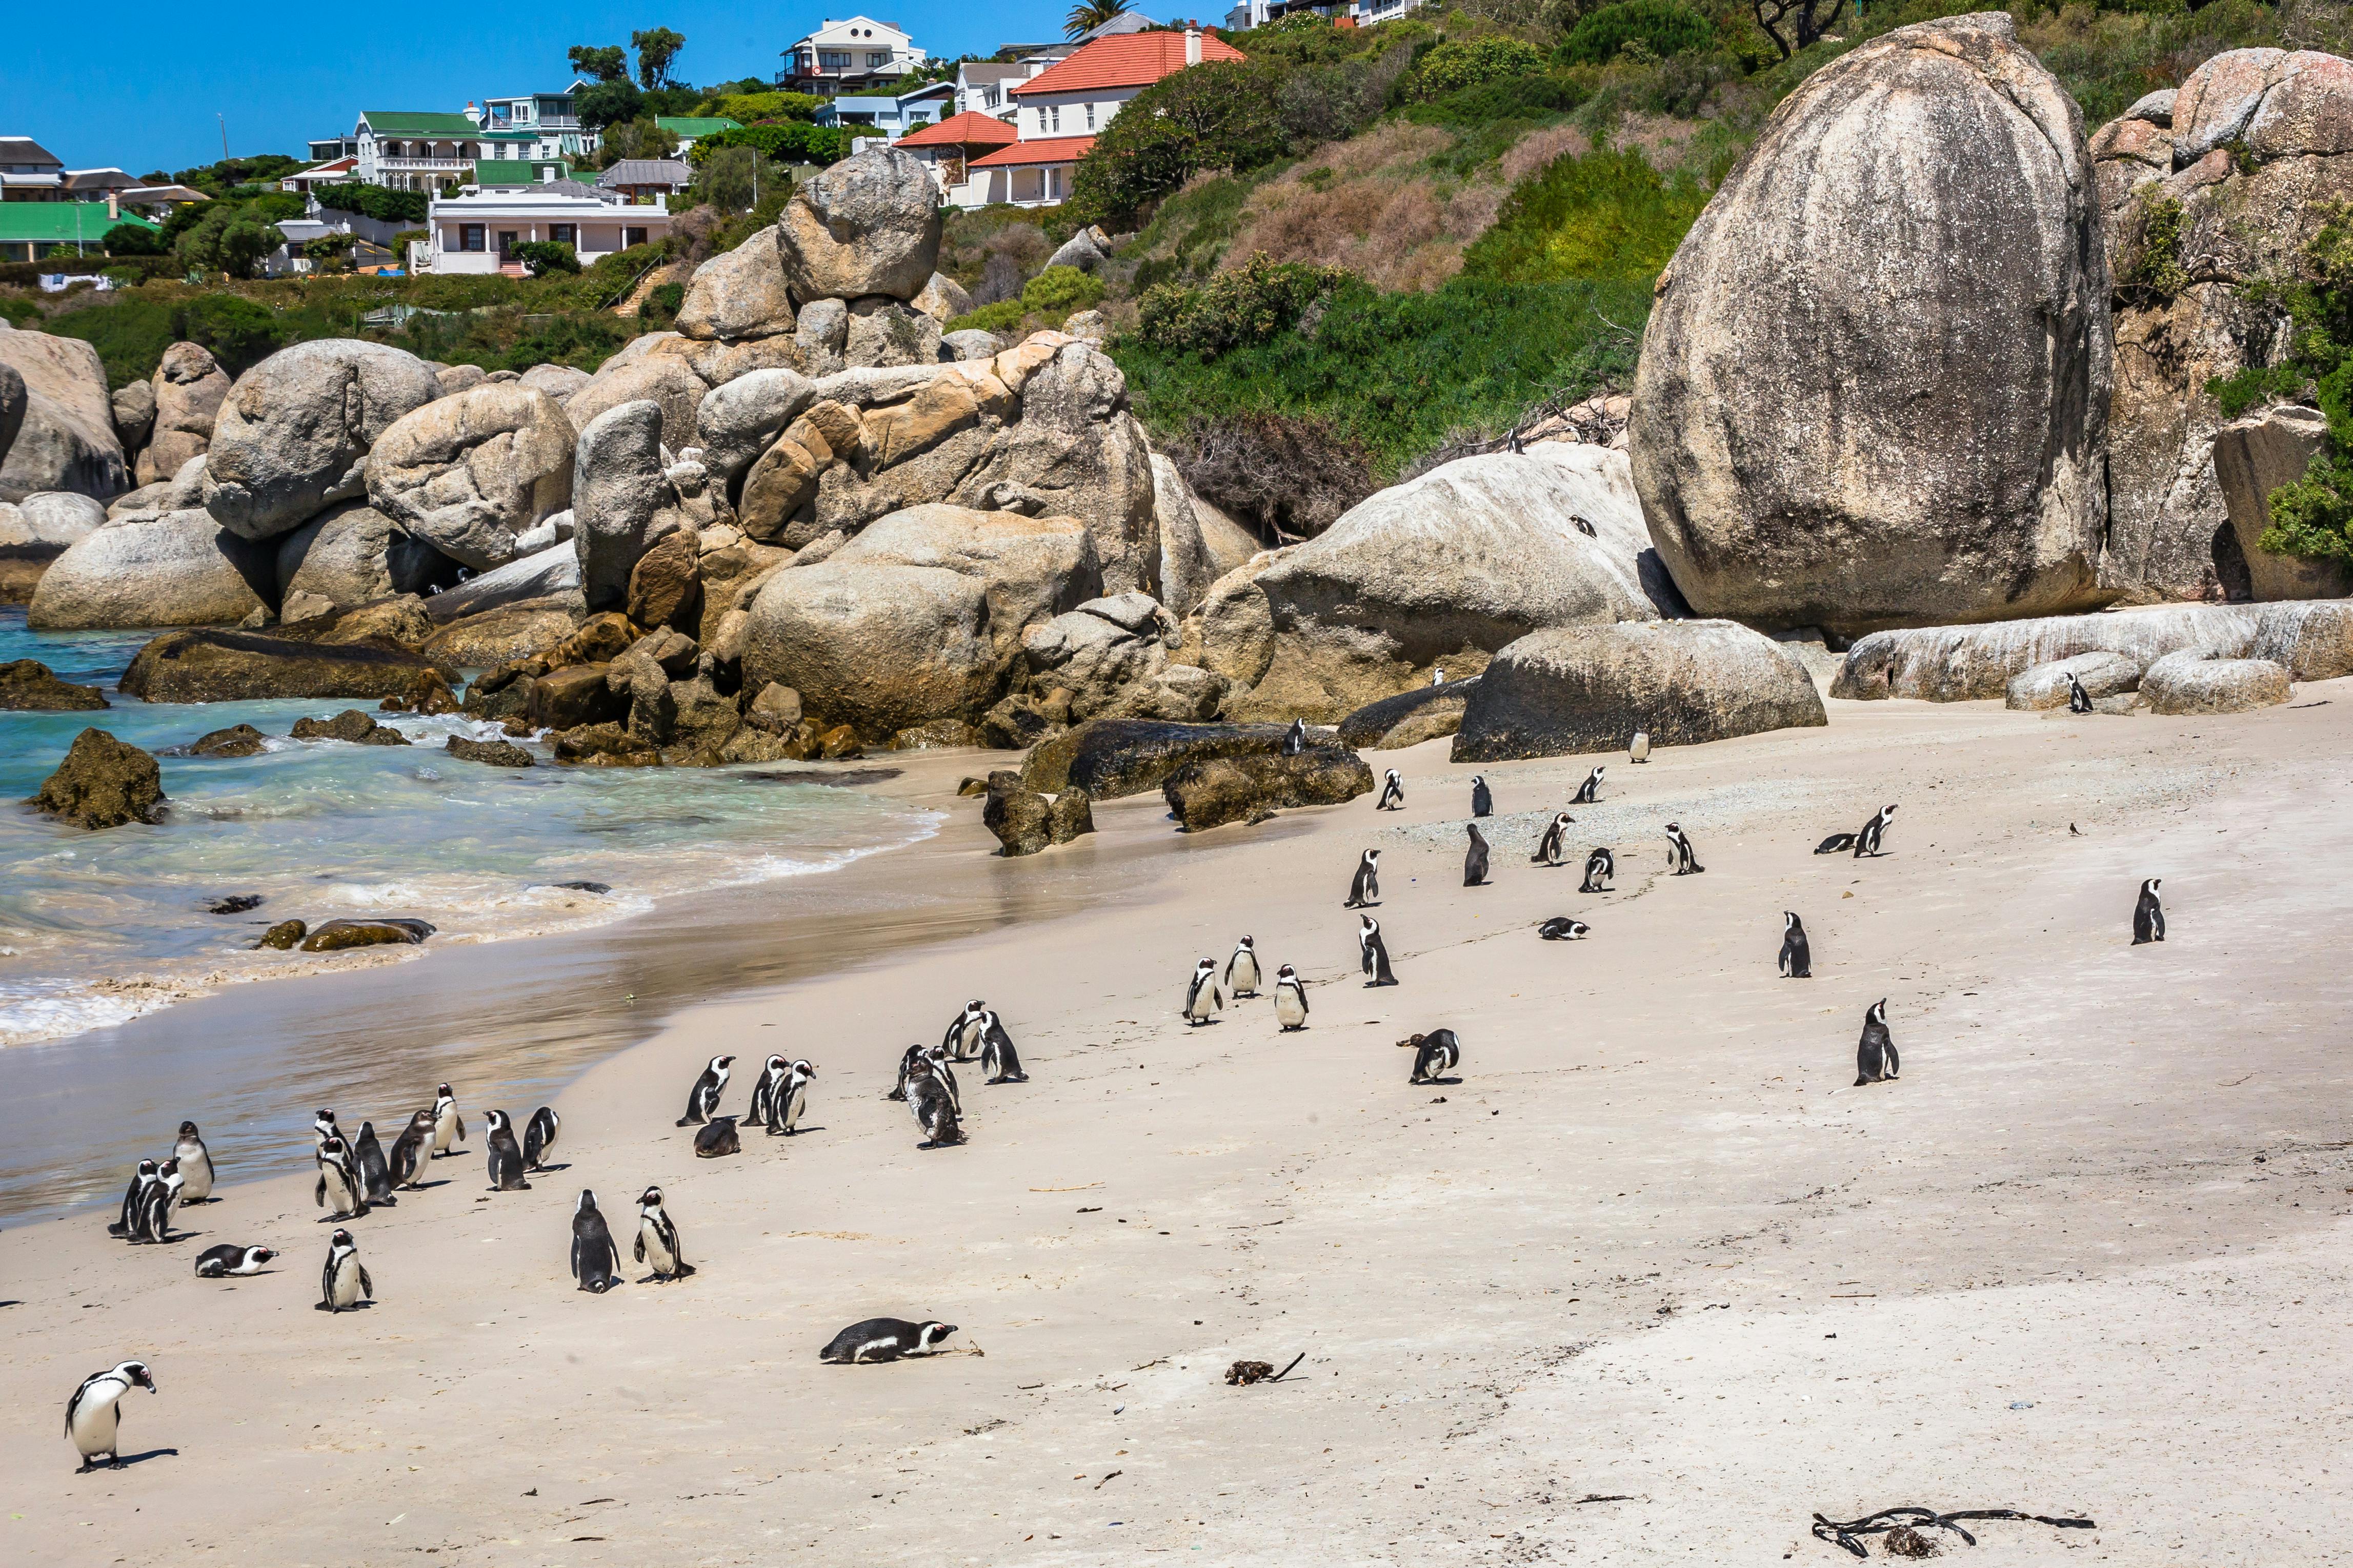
[469, 473]
[558, 381]
[1220, 790]
[620, 491]
[12, 407]
[2253, 457]
[868, 225]
[550, 573]
[1107, 654]
[1436, 574]
[1188, 562]
[1110, 758]
[1589, 689]
[2099, 673]
[180, 569]
[102, 782]
[883, 332]
[1963, 664]
[919, 617]
[1873, 390]
[242, 666]
[2311, 638]
[351, 554]
[134, 415]
[737, 422]
[739, 293]
[36, 532]
[1410, 718]
[189, 388]
[503, 634]
[644, 372]
[65, 438]
[295, 430]
[2192, 683]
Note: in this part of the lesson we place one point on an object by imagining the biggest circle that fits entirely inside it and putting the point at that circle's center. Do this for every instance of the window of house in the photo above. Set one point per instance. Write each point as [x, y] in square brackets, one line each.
[564, 234]
[834, 59]
[1090, 117]
[877, 59]
[1055, 115]
[630, 236]
[469, 236]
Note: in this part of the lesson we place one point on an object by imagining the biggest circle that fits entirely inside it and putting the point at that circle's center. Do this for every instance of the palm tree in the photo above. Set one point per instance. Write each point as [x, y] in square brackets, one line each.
[1088, 14]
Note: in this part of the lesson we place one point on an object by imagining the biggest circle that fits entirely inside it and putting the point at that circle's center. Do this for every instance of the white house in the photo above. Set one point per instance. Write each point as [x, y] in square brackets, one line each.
[416, 151]
[514, 204]
[550, 119]
[858, 56]
[1079, 96]
[951, 148]
[894, 116]
[984, 86]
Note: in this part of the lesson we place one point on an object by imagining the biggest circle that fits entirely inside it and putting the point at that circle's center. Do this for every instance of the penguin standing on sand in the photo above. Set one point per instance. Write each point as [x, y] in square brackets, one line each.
[229, 1261]
[1600, 868]
[1590, 792]
[375, 1171]
[1475, 860]
[153, 1226]
[1875, 1055]
[1290, 1000]
[658, 1246]
[907, 1060]
[1374, 953]
[1366, 887]
[1483, 799]
[883, 1338]
[2149, 914]
[935, 1111]
[448, 1126]
[962, 1038]
[410, 1150]
[944, 1071]
[1560, 928]
[764, 1092]
[2078, 700]
[322, 1127]
[1434, 1053]
[1392, 792]
[1550, 848]
[702, 1099]
[506, 1156]
[595, 1261]
[538, 1137]
[195, 1165]
[1241, 970]
[1866, 842]
[1679, 851]
[1202, 998]
[339, 1191]
[128, 1220]
[790, 1099]
[717, 1137]
[344, 1280]
[1639, 749]
[94, 1416]
[1294, 740]
[999, 1062]
[1797, 957]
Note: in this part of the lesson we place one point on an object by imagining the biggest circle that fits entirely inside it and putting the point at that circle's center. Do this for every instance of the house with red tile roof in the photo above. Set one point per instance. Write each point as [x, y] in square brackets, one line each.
[950, 148]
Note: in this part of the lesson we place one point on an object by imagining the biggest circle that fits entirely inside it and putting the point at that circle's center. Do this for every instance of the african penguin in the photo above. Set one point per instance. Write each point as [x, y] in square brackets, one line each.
[1639, 749]
[1290, 1000]
[340, 1190]
[1241, 970]
[1549, 848]
[229, 1260]
[93, 1419]
[1875, 1055]
[1866, 842]
[1600, 868]
[129, 1218]
[1797, 956]
[538, 1137]
[934, 1108]
[195, 1165]
[344, 1280]
[1294, 740]
[716, 1138]
[1590, 792]
[999, 1062]
[657, 1244]
[883, 1338]
[791, 1098]
[1374, 953]
[764, 1090]
[1560, 928]
[322, 1127]
[944, 1071]
[1836, 844]
[907, 1060]
[1366, 887]
[410, 1150]
[595, 1261]
[1202, 997]
[2078, 700]
[2149, 914]
[1679, 851]
[448, 1126]
[1483, 799]
[702, 1099]
[962, 1038]
[1392, 792]
[1474, 860]
[153, 1222]
[376, 1171]
[1434, 1053]
[505, 1162]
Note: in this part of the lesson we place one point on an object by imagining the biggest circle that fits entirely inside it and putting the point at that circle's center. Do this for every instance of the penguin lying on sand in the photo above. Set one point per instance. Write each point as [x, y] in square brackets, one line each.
[1560, 928]
[716, 1138]
[1865, 841]
[227, 1261]
[883, 1338]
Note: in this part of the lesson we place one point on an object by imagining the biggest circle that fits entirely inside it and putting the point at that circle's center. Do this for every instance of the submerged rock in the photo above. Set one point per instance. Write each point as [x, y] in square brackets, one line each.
[493, 754]
[351, 726]
[1236, 789]
[285, 936]
[28, 686]
[337, 935]
[239, 666]
[102, 782]
[237, 741]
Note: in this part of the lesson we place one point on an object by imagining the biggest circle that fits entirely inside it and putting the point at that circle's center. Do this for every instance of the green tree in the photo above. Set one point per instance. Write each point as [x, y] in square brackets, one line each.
[229, 238]
[1663, 27]
[1088, 14]
[609, 104]
[1224, 114]
[1453, 66]
[735, 179]
[133, 239]
[656, 47]
[604, 62]
[542, 257]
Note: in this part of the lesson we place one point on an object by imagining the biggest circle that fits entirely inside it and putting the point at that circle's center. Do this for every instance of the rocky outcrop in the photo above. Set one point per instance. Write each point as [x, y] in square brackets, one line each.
[1244, 789]
[558, 381]
[1189, 563]
[502, 634]
[102, 782]
[134, 415]
[242, 666]
[235, 741]
[2192, 683]
[2311, 638]
[65, 438]
[1080, 452]
[1437, 574]
[550, 573]
[1112, 758]
[351, 554]
[1857, 410]
[351, 726]
[644, 372]
[36, 532]
[470, 473]
[1410, 718]
[489, 754]
[1589, 689]
[739, 421]
[28, 686]
[943, 299]
[739, 293]
[868, 225]
[1107, 654]
[1026, 822]
[2101, 673]
[180, 569]
[189, 388]
[294, 431]
[2253, 457]
[885, 332]
[620, 491]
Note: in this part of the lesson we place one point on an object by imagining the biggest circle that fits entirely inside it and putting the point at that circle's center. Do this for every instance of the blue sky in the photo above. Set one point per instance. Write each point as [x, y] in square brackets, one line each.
[138, 86]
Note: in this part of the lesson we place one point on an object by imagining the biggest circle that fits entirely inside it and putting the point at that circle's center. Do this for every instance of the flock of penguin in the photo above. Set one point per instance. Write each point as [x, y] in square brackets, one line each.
[353, 1175]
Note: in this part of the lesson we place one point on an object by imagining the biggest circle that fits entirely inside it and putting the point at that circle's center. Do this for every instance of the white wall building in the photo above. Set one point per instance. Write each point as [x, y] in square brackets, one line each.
[549, 117]
[479, 227]
[1079, 96]
[858, 55]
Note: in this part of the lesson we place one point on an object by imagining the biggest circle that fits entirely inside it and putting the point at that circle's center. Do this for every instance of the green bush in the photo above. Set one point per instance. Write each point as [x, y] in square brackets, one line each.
[1660, 28]
[791, 143]
[1455, 65]
[1607, 215]
[1003, 317]
[133, 239]
[542, 257]
[1240, 309]
[661, 306]
[1526, 97]
[16, 311]
[240, 332]
[1064, 289]
[752, 107]
[2313, 517]
[376, 201]
[1224, 114]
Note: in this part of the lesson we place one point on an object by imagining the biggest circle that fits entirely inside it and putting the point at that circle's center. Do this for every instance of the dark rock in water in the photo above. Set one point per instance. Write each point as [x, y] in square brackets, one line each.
[350, 725]
[1017, 815]
[236, 904]
[839, 744]
[840, 778]
[102, 782]
[497, 753]
[337, 935]
[1237, 789]
[28, 686]
[237, 741]
[1110, 758]
[241, 665]
[584, 887]
[1410, 718]
[1071, 815]
[285, 936]
[972, 788]
[604, 745]
[574, 695]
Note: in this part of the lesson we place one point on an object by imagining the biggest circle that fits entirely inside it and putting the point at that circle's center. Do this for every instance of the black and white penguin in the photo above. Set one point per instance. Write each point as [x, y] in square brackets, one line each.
[153, 1225]
[195, 1165]
[1874, 1055]
[1590, 792]
[1294, 740]
[658, 1246]
[1550, 848]
[375, 1171]
[1679, 851]
[1866, 842]
[702, 1099]
[1241, 970]
[785, 1106]
[412, 1148]
[1600, 868]
[1560, 928]
[538, 1137]
[2078, 700]
[1434, 1053]
[1366, 887]
[944, 1070]
[340, 1190]
[717, 1138]
[1374, 953]
[505, 1161]
[934, 1109]
[2149, 914]
[322, 1127]
[883, 1338]
[1290, 1000]
[448, 1126]
[962, 1038]
[1483, 799]
[907, 1060]
[93, 1417]
[1392, 792]
[1797, 956]
[1474, 860]
[228, 1262]
[344, 1280]
[128, 1220]
[999, 1062]
[595, 1261]
[1202, 997]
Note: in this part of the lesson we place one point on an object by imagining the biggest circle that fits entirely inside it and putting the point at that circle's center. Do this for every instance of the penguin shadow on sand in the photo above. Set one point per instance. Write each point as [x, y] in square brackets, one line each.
[125, 1461]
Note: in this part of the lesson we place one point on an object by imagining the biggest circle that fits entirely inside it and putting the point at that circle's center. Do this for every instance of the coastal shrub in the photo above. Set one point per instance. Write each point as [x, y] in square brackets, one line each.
[1224, 114]
[542, 257]
[1284, 476]
[1051, 297]
[1530, 98]
[1607, 215]
[133, 239]
[2153, 271]
[754, 108]
[1240, 309]
[661, 306]
[790, 141]
[1660, 28]
[376, 201]
[240, 333]
[1458, 64]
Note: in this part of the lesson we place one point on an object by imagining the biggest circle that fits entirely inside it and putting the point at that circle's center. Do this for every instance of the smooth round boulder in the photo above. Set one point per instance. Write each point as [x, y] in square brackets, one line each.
[654, 375]
[739, 293]
[292, 433]
[351, 554]
[2188, 682]
[558, 381]
[180, 569]
[2099, 672]
[1873, 390]
[469, 473]
[870, 225]
[189, 388]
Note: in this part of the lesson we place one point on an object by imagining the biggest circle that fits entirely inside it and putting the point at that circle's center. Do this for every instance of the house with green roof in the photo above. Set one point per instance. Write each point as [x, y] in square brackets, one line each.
[691, 128]
[32, 230]
[415, 150]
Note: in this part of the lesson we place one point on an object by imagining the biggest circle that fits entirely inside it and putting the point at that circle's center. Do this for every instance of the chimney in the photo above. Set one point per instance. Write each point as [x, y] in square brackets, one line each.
[114, 206]
[1192, 47]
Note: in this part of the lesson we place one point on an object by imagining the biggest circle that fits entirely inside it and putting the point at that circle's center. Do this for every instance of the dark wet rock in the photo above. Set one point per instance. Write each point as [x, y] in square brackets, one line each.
[28, 686]
[1240, 789]
[242, 666]
[285, 936]
[236, 904]
[1110, 758]
[1020, 816]
[1071, 815]
[237, 741]
[337, 935]
[102, 782]
[503, 635]
[575, 695]
[584, 887]
[350, 725]
[1410, 718]
[496, 754]
[606, 745]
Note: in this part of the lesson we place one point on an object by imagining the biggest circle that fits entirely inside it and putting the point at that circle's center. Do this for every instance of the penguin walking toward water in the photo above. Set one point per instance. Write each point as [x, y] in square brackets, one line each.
[375, 1171]
[94, 1416]
[1483, 799]
[1797, 956]
[1600, 868]
[1241, 970]
[1590, 792]
[883, 1338]
[344, 1281]
[702, 1099]
[962, 1038]
[1374, 953]
[2078, 700]
[128, 1220]
[448, 1126]
[229, 1261]
[764, 1091]
[999, 1062]
[1553, 845]
[1875, 1055]
[2149, 914]
[411, 1149]
[1367, 889]
[195, 1165]
[340, 1190]
[595, 1261]
[1290, 1000]
[1294, 740]
[506, 1156]
[658, 1246]
[154, 1224]
[1475, 860]
[1202, 997]
[1434, 1053]
[1560, 928]
[785, 1106]
[717, 1138]
[934, 1107]
[538, 1137]
[1679, 851]
[1392, 792]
